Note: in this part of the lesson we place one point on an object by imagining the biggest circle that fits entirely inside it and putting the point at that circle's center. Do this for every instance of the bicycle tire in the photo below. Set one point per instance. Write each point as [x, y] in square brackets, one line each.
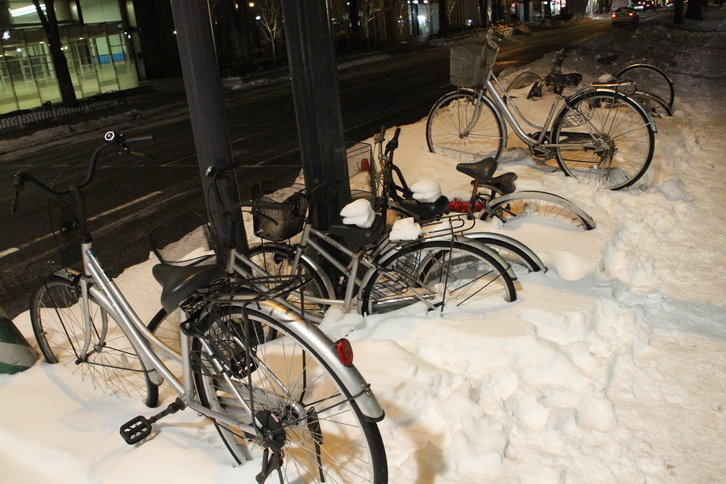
[278, 259]
[544, 204]
[651, 79]
[450, 116]
[594, 114]
[314, 403]
[511, 250]
[653, 104]
[419, 270]
[112, 365]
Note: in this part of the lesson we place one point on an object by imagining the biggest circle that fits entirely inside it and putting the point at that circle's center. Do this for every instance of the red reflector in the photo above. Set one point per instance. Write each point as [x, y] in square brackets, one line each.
[344, 351]
[463, 206]
[364, 164]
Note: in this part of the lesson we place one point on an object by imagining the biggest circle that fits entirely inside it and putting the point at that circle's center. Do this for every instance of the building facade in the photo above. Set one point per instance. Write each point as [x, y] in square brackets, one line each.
[97, 41]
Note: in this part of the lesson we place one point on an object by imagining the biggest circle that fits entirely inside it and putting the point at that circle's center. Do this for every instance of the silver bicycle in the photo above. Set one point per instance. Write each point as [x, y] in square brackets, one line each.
[598, 134]
[278, 390]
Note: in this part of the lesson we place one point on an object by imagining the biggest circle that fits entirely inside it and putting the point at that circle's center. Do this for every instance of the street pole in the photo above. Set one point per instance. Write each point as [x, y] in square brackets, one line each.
[193, 22]
[317, 107]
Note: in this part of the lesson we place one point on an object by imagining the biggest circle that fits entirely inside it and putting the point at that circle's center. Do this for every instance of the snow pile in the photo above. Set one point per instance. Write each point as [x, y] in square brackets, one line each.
[405, 229]
[608, 368]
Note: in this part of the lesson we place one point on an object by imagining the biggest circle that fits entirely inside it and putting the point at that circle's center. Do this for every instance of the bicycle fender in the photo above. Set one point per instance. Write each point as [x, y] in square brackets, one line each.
[589, 221]
[316, 340]
[620, 95]
[510, 240]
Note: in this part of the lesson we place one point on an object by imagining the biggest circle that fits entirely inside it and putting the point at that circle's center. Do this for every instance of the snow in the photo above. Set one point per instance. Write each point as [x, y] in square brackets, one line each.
[405, 229]
[426, 191]
[359, 213]
[608, 368]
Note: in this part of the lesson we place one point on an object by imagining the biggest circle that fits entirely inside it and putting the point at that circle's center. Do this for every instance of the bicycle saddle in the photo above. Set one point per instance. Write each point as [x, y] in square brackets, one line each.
[555, 79]
[502, 184]
[356, 238]
[424, 212]
[481, 171]
[180, 282]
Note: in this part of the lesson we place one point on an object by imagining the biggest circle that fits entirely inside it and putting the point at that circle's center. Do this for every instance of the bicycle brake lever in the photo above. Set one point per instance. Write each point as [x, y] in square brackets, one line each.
[141, 155]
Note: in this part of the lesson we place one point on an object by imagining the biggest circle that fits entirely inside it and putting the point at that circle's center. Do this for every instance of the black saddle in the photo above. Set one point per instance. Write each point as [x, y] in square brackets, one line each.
[356, 238]
[481, 171]
[180, 282]
[422, 211]
[502, 184]
[557, 80]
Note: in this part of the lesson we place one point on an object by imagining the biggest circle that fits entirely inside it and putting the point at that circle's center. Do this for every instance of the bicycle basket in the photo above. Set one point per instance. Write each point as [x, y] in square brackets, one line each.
[278, 221]
[467, 67]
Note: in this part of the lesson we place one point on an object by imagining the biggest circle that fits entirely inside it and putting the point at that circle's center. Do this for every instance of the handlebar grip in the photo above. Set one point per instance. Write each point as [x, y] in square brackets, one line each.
[395, 135]
[141, 139]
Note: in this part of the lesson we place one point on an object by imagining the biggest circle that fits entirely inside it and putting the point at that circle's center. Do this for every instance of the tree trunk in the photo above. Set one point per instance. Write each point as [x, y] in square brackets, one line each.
[678, 11]
[484, 12]
[693, 11]
[60, 64]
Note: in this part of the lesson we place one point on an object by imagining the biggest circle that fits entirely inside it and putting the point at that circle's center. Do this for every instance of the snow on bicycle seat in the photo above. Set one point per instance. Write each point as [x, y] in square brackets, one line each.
[481, 171]
[180, 282]
[424, 211]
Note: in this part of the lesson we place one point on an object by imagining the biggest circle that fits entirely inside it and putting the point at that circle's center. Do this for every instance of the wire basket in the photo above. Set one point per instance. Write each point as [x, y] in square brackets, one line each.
[278, 221]
[470, 65]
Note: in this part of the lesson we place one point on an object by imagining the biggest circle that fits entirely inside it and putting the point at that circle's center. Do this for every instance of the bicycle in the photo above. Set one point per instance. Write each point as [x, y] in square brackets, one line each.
[654, 88]
[380, 275]
[276, 388]
[400, 200]
[599, 133]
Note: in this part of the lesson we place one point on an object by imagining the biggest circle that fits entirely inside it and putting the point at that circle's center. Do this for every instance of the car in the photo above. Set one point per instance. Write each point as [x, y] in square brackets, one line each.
[649, 5]
[625, 16]
[639, 5]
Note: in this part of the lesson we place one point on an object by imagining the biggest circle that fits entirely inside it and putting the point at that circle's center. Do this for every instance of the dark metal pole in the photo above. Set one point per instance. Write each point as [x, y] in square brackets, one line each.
[193, 23]
[317, 106]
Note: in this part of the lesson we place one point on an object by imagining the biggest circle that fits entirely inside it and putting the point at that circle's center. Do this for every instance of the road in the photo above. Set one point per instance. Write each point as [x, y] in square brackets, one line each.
[132, 195]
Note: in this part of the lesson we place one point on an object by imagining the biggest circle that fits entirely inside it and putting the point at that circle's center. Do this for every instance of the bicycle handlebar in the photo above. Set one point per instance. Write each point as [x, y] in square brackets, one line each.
[111, 138]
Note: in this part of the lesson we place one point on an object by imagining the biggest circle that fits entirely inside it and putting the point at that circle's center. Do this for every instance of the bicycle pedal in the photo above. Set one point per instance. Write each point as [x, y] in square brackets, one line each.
[136, 430]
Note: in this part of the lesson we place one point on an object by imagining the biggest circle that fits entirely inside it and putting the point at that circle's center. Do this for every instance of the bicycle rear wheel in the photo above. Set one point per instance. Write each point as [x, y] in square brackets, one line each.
[538, 204]
[111, 363]
[620, 134]
[463, 128]
[322, 433]
[441, 272]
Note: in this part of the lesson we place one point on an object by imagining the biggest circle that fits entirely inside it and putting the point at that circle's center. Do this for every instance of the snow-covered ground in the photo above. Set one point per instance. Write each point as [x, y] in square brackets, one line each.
[610, 367]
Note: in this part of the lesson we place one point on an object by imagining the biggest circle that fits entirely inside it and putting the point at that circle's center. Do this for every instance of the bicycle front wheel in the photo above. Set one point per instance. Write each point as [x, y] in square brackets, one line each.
[441, 273]
[649, 79]
[280, 260]
[612, 139]
[464, 127]
[110, 363]
[301, 403]
[538, 204]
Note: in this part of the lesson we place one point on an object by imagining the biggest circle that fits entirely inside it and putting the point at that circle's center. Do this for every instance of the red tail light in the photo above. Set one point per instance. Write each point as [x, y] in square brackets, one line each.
[344, 351]
[364, 164]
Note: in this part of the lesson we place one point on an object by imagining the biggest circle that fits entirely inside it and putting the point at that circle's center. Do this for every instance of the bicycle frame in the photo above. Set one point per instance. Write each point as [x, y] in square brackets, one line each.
[96, 284]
